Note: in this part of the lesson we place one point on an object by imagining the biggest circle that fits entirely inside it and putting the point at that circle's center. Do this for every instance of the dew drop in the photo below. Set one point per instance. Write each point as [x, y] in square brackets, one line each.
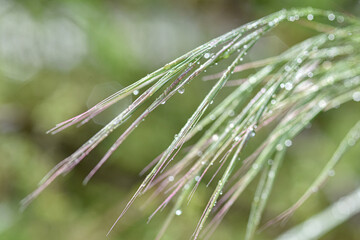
[270, 162]
[340, 19]
[331, 173]
[178, 212]
[322, 103]
[206, 55]
[136, 92]
[255, 166]
[287, 68]
[288, 142]
[356, 96]
[211, 102]
[331, 37]
[310, 17]
[212, 117]
[171, 178]
[181, 90]
[197, 178]
[273, 102]
[331, 17]
[288, 86]
[215, 137]
[279, 147]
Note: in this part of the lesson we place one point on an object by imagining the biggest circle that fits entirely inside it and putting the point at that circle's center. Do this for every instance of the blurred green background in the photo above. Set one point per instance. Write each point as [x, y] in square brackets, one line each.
[58, 58]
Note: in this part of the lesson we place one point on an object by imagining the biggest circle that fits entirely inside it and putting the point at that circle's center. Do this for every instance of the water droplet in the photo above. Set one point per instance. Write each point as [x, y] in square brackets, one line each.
[206, 55]
[231, 113]
[199, 153]
[270, 162]
[203, 163]
[211, 102]
[315, 189]
[331, 17]
[331, 173]
[322, 103]
[340, 19]
[356, 96]
[212, 117]
[181, 90]
[282, 85]
[197, 178]
[273, 102]
[288, 86]
[299, 60]
[241, 59]
[237, 138]
[287, 68]
[310, 74]
[178, 212]
[279, 147]
[288, 142]
[310, 17]
[255, 166]
[331, 37]
[171, 178]
[136, 92]
[246, 46]
[215, 137]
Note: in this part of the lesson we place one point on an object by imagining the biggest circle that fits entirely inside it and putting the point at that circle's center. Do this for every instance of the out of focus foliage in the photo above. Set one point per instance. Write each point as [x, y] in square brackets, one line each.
[57, 58]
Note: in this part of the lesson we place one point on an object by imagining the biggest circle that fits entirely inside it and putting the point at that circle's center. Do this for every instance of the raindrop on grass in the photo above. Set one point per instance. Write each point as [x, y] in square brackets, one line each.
[331, 37]
[288, 143]
[356, 96]
[171, 178]
[136, 92]
[310, 17]
[215, 137]
[206, 55]
[181, 90]
[331, 17]
[178, 212]
[279, 147]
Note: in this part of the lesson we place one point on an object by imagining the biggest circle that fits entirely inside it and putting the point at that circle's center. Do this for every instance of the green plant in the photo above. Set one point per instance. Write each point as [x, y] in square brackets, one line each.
[283, 96]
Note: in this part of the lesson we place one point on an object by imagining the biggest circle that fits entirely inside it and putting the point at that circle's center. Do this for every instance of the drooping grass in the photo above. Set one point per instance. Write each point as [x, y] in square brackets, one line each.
[286, 92]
